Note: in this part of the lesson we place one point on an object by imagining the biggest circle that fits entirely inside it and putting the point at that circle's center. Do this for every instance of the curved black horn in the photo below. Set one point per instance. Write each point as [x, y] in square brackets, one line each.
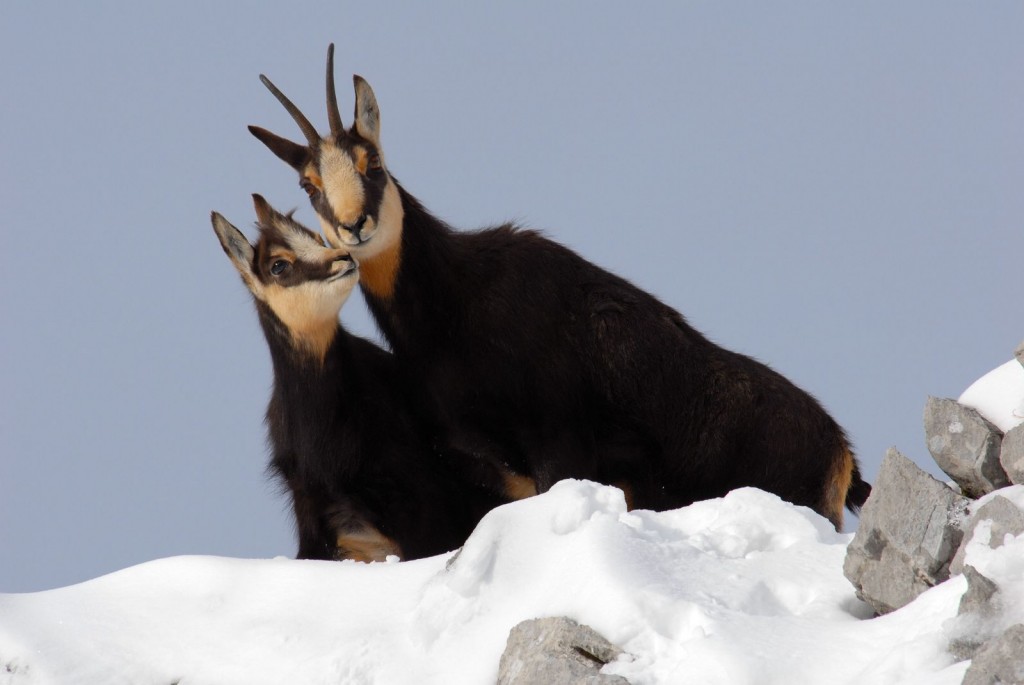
[307, 128]
[333, 115]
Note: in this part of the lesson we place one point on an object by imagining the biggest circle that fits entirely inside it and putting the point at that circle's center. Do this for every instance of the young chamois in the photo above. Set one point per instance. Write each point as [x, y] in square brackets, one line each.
[547, 366]
[363, 480]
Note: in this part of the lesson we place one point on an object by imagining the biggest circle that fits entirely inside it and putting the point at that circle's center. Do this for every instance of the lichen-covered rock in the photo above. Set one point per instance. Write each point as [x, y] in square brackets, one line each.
[556, 650]
[909, 529]
[977, 606]
[1006, 518]
[965, 445]
[1011, 454]
[1000, 661]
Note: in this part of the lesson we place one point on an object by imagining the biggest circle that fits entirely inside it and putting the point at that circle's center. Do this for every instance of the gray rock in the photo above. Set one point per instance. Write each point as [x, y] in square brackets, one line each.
[1005, 517]
[1000, 661]
[909, 529]
[556, 650]
[978, 598]
[977, 606]
[964, 445]
[1011, 454]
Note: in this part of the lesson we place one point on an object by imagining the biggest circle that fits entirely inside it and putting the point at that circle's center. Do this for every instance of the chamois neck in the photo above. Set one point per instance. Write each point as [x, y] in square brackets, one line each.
[425, 279]
[412, 227]
[378, 274]
[303, 351]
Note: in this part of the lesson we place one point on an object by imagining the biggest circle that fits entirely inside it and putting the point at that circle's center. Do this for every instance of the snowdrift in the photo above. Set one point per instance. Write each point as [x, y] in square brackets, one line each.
[744, 589]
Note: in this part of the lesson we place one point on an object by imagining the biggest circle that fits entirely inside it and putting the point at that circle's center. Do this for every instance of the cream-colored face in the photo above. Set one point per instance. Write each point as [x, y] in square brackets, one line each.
[302, 281]
[356, 201]
[377, 232]
[309, 307]
[305, 283]
[342, 184]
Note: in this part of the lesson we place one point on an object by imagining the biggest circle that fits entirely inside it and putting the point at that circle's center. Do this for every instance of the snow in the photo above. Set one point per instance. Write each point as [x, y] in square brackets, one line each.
[742, 589]
[999, 395]
[1005, 566]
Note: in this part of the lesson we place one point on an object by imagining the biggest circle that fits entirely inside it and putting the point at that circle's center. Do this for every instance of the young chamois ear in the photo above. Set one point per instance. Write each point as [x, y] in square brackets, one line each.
[239, 251]
[291, 273]
[343, 172]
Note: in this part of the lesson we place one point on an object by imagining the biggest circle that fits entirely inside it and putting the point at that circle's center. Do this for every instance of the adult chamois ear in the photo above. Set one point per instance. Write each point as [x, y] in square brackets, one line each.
[237, 248]
[367, 116]
[295, 155]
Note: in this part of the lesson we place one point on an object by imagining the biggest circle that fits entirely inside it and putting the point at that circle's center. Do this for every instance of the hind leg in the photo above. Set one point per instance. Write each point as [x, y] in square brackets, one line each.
[358, 539]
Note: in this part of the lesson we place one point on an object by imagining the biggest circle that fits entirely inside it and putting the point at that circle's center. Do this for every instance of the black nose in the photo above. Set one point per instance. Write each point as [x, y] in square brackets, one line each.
[357, 228]
[347, 264]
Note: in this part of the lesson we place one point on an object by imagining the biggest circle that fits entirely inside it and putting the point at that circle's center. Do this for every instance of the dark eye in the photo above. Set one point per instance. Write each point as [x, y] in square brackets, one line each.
[279, 267]
[308, 186]
[374, 163]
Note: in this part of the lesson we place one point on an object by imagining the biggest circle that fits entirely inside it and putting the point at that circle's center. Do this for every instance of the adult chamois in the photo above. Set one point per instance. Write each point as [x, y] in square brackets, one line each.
[541, 363]
[363, 478]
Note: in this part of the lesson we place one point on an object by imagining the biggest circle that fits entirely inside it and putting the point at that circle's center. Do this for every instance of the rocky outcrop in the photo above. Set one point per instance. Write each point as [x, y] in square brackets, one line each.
[964, 445]
[1011, 454]
[915, 532]
[977, 607]
[1000, 661]
[556, 650]
[910, 527]
[1005, 519]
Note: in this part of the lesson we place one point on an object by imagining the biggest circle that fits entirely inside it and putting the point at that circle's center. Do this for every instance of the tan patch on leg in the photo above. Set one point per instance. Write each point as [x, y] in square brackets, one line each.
[518, 487]
[368, 544]
[838, 484]
[627, 492]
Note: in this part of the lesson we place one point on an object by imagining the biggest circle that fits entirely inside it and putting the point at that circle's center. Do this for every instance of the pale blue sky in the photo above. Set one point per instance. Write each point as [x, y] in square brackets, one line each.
[834, 189]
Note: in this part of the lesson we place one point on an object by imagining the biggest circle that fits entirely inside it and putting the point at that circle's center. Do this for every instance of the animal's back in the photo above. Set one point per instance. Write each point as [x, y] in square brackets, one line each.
[585, 348]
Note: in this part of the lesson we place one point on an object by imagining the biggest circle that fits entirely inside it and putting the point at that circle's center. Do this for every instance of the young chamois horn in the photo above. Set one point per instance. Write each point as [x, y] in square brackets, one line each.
[363, 481]
[547, 366]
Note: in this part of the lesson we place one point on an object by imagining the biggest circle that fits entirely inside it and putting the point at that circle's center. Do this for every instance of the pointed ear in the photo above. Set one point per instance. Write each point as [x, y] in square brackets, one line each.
[237, 248]
[367, 115]
[264, 212]
[293, 154]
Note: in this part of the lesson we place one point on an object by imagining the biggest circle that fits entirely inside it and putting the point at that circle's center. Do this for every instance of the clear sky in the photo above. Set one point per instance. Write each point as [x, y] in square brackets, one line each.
[835, 189]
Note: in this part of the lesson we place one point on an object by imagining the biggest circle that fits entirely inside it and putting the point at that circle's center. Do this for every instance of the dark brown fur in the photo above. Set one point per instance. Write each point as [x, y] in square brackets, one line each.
[363, 475]
[541, 361]
[537, 361]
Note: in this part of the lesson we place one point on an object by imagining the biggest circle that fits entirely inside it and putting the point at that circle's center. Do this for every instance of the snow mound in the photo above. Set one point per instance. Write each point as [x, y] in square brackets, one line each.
[998, 395]
[742, 589]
